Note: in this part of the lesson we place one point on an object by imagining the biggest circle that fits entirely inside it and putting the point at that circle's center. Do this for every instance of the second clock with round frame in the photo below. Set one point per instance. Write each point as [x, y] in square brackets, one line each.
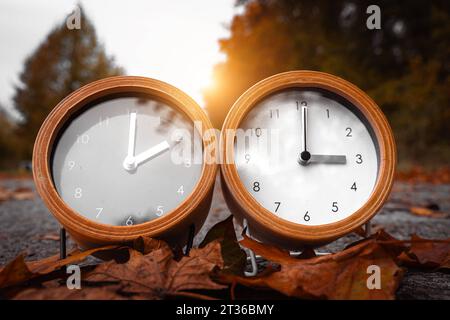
[309, 157]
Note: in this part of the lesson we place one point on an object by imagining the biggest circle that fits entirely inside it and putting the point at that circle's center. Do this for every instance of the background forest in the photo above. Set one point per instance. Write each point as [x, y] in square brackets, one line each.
[404, 67]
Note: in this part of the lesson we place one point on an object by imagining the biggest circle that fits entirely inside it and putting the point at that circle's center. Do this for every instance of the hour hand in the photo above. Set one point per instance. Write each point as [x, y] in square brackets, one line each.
[323, 158]
[152, 152]
[131, 163]
[328, 159]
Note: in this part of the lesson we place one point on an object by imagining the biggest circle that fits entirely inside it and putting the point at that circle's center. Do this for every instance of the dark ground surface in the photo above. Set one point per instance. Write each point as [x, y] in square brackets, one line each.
[27, 226]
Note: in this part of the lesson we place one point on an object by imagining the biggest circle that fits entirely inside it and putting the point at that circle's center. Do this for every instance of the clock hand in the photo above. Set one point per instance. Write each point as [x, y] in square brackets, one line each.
[305, 125]
[151, 153]
[128, 163]
[328, 159]
[132, 135]
[304, 155]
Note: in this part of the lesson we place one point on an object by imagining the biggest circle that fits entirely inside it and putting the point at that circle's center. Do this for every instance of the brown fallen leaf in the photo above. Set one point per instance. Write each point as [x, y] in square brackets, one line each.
[23, 193]
[392, 245]
[5, 194]
[426, 212]
[157, 275]
[63, 293]
[146, 245]
[18, 271]
[418, 174]
[341, 275]
[48, 236]
[15, 272]
[233, 255]
[425, 253]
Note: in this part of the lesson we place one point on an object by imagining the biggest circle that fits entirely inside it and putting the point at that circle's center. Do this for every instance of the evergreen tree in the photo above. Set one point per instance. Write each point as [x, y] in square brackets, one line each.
[63, 62]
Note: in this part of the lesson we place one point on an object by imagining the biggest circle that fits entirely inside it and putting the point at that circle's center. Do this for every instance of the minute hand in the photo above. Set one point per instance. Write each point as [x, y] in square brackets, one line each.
[152, 152]
[328, 159]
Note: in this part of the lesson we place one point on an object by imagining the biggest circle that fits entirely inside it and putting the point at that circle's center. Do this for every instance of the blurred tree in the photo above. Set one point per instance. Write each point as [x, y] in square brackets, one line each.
[8, 154]
[63, 62]
[405, 66]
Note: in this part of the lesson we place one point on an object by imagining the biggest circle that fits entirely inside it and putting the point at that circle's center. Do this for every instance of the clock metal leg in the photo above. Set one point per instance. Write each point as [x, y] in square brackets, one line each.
[368, 229]
[62, 243]
[190, 239]
[251, 254]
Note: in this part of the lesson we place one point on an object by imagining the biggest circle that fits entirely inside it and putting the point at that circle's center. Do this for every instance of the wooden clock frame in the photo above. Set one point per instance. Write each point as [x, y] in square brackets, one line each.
[174, 225]
[264, 225]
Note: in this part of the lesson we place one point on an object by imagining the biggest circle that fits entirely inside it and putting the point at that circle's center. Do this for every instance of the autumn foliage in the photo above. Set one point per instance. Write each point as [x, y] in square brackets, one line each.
[150, 269]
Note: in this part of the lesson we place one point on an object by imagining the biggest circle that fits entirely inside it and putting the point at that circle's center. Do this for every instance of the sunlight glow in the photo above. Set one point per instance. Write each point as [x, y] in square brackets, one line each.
[174, 41]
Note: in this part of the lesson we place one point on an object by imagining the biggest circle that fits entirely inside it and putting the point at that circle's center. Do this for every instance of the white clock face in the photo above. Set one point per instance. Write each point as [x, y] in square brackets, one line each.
[127, 160]
[309, 158]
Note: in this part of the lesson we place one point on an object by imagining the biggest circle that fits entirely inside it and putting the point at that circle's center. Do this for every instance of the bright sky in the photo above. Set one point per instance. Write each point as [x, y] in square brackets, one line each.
[174, 40]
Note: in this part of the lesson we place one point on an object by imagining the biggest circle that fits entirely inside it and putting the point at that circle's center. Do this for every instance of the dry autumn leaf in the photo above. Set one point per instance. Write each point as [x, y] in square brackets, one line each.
[392, 245]
[62, 293]
[48, 236]
[19, 271]
[5, 194]
[23, 194]
[233, 255]
[157, 275]
[149, 270]
[425, 253]
[146, 245]
[341, 275]
[419, 174]
[426, 212]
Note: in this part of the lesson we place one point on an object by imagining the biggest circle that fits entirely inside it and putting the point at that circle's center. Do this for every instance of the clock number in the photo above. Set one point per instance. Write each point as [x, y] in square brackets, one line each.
[104, 121]
[71, 165]
[275, 113]
[306, 217]
[129, 221]
[256, 186]
[247, 157]
[354, 186]
[159, 211]
[277, 204]
[258, 132]
[78, 193]
[99, 211]
[328, 113]
[359, 159]
[187, 163]
[180, 190]
[349, 132]
[84, 139]
[334, 207]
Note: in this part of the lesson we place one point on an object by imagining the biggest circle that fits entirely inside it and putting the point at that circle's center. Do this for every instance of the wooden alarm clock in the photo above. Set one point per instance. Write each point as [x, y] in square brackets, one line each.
[307, 158]
[123, 157]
